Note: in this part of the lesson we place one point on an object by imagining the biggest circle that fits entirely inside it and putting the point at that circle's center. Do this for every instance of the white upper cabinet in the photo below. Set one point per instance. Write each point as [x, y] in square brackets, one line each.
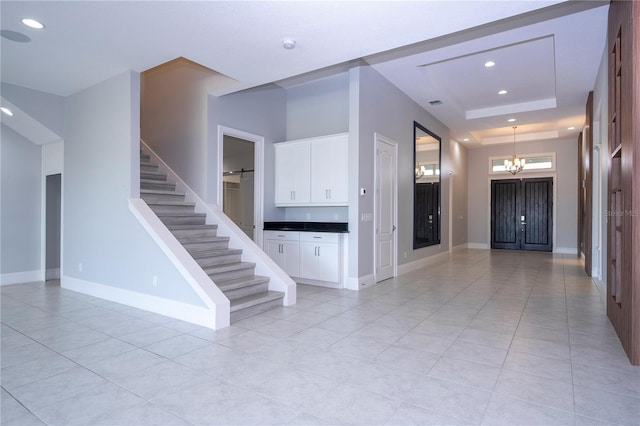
[313, 171]
[330, 170]
[293, 185]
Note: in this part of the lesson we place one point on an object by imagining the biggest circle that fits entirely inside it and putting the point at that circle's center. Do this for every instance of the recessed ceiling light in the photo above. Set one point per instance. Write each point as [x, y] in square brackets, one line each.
[571, 128]
[502, 92]
[465, 140]
[29, 22]
[289, 43]
[511, 120]
[6, 111]
[489, 64]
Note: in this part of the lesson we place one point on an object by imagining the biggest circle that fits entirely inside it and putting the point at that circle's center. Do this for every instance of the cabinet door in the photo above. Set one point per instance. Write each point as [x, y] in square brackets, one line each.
[328, 259]
[293, 184]
[329, 170]
[272, 248]
[291, 257]
[308, 260]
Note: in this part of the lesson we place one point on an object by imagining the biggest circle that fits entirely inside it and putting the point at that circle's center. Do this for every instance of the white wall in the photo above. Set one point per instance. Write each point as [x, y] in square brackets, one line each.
[101, 166]
[565, 225]
[20, 213]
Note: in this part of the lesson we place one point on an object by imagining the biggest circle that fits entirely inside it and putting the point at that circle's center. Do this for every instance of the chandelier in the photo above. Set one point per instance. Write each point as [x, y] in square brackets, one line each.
[515, 165]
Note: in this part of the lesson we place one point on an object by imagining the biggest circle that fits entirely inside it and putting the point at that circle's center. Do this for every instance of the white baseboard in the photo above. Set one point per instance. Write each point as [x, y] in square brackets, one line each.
[25, 277]
[421, 263]
[53, 274]
[481, 246]
[182, 311]
[361, 282]
[566, 250]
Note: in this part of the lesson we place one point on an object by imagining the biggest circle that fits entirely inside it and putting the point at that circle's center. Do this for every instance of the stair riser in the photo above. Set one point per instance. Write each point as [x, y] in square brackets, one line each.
[150, 198]
[246, 291]
[204, 245]
[183, 220]
[153, 176]
[230, 275]
[145, 157]
[219, 260]
[254, 310]
[148, 167]
[186, 236]
[159, 209]
[163, 186]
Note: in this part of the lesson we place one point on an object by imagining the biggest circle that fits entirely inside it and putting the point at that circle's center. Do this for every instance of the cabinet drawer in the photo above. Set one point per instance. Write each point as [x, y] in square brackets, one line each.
[282, 235]
[320, 237]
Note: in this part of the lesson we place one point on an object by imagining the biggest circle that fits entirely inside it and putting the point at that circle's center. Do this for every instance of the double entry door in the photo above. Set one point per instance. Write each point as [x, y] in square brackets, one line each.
[522, 214]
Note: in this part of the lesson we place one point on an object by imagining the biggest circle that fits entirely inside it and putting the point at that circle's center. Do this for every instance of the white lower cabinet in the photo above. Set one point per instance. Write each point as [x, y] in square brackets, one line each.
[312, 257]
[320, 256]
[284, 249]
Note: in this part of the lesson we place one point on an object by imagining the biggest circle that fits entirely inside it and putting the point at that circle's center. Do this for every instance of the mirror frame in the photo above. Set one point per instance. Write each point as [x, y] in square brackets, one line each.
[419, 244]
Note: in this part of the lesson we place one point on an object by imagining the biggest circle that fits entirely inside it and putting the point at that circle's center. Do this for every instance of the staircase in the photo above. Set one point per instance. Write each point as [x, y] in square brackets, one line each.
[248, 293]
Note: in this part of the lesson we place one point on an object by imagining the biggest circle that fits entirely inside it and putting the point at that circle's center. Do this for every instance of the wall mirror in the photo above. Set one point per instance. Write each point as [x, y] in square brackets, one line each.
[426, 187]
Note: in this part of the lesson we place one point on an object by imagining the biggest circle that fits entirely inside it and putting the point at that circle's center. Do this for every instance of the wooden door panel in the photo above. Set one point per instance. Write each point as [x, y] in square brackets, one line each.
[537, 200]
[504, 209]
[515, 199]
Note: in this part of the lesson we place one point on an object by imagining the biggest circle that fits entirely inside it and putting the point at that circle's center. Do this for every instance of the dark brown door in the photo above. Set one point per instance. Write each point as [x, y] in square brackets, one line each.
[522, 214]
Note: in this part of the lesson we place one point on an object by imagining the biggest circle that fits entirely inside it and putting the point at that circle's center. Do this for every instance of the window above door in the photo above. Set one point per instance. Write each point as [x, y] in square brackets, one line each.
[532, 163]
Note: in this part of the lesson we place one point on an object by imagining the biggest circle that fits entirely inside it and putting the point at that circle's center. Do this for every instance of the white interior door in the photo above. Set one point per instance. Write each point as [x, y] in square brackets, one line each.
[385, 208]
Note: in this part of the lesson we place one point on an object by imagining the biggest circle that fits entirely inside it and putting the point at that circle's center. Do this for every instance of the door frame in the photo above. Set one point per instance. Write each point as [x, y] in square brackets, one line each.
[380, 138]
[508, 176]
[258, 174]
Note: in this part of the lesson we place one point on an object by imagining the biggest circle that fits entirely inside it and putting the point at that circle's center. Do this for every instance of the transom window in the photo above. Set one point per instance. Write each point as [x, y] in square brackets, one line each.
[532, 162]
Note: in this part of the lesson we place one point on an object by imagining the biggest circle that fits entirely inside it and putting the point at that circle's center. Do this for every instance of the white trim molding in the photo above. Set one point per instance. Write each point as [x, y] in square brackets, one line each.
[421, 263]
[480, 246]
[193, 314]
[25, 277]
[566, 250]
[359, 283]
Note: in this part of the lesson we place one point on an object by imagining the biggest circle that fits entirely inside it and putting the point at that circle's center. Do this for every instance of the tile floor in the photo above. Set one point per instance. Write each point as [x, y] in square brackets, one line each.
[488, 337]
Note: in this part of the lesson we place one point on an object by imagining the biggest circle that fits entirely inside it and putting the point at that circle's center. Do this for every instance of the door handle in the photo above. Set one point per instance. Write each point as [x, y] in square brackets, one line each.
[393, 229]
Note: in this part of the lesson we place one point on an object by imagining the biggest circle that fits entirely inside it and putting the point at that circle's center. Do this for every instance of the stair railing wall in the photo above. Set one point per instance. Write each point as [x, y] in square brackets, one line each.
[216, 315]
[279, 280]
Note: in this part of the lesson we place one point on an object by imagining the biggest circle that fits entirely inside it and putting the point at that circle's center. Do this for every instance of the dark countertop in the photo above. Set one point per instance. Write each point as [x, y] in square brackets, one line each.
[336, 227]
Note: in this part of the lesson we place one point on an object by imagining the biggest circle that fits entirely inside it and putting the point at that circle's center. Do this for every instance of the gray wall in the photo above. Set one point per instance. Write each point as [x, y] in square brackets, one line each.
[20, 182]
[101, 166]
[565, 185]
[173, 117]
[53, 217]
[44, 107]
[318, 108]
[601, 145]
[459, 193]
[260, 111]
[384, 109]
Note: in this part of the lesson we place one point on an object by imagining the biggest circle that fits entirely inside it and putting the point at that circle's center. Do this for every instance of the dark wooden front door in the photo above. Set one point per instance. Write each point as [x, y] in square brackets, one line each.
[522, 214]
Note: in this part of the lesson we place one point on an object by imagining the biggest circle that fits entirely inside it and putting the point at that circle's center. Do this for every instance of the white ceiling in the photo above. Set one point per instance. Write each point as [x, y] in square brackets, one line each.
[547, 52]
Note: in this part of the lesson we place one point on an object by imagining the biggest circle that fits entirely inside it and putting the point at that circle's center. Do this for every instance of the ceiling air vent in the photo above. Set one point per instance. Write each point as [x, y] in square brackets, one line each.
[435, 102]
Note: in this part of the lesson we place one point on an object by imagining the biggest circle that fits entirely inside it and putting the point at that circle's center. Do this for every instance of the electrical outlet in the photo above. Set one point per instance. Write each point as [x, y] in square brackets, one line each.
[155, 281]
[80, 267]
[405, 254]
